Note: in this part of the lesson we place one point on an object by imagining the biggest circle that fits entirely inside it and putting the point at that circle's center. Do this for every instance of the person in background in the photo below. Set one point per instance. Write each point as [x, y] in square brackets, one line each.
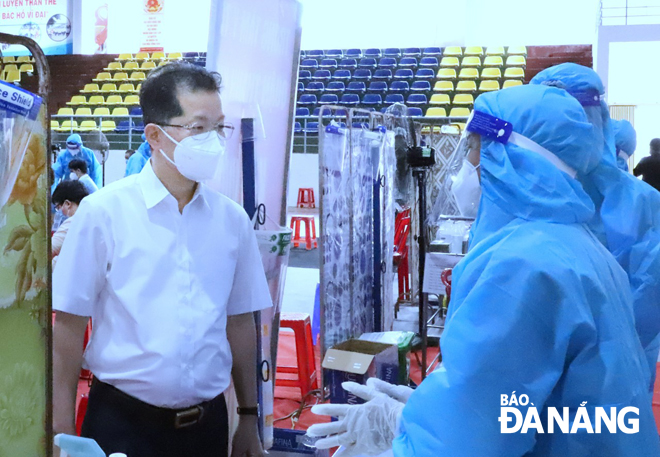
[138, 160]
[66, 198]
[128, 154]
[78, 169]
[625, 142]
[649, 167]
[75, 149]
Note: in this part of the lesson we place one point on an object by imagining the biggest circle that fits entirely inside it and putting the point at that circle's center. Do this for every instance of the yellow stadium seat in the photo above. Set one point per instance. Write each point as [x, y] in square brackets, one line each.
[446, 73]
[65, 112]
[109, 87]
[489, 85]
[108, 126]
[87, 126]
[439, 99]
[138, 76]
[120, 111]
[443, 86]
[436, 112]
[495, 51]
[148, 65]
[54, 125]
[174, 56]
[132, 100]
[120, 76]
[114, 100]
[90, 88]
[516, 61]
[24, 59]
[10, 67]
[132, 66]
[126, 87]
[12, 77]
[101, 111]
[511, 83]
[103, 76]
[139, 86]
[491, 73]
[68, 126]
[158, 55]
[514, 73]
[78, 100]
[471, 61]
[8, 59]
[163, 62]
[450, 62]
[474, 51]
[96, 100]
[26, 68]
[83, 111]
[463, 99]
[517, 50]
[142, 56]
[125, 56]
[114, 66]
[466, 86]
[493, 61]
[459, 112]
[453, 51]
[468, 73]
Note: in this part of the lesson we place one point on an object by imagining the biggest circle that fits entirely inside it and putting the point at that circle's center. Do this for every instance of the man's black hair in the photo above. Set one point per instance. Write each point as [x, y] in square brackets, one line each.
[78, 164]
[74, 191]
[655, 146]
[158, 94]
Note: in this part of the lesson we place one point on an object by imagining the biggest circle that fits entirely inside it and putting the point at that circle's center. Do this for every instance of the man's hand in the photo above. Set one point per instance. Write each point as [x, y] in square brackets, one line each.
[246, 442]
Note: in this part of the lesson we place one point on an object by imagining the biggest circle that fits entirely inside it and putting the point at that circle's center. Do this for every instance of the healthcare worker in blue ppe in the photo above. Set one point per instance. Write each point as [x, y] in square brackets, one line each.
[138, 160]
[539, 309]
[76, 150]
[627, 218]
[625, 142]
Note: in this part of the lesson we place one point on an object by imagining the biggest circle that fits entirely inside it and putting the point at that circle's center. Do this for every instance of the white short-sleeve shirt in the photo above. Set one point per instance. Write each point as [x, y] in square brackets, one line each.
[159, 285]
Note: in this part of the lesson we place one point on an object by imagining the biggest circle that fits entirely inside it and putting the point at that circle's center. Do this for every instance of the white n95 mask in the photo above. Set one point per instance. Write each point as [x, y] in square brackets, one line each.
[197, 157]
[73, 176]
[466, 188]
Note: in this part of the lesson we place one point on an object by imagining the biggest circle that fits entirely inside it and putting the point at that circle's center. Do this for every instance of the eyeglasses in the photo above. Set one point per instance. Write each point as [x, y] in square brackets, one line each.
[225, 130]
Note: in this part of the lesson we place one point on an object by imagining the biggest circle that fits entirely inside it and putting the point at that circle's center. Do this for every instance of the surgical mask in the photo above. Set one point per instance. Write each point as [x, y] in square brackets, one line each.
[197, 157]
[466, 188]
[73, 151]
[73, 176]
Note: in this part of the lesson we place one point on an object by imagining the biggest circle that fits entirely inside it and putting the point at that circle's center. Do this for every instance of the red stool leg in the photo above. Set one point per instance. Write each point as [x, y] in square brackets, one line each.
[308, 237]
[300, 198]
[312, 201]
[314, 239]
[80, 415]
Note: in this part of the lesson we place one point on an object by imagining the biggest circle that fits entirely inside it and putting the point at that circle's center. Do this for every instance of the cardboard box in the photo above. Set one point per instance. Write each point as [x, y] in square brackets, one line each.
[357, 361]
[403, 340]
[288, 442]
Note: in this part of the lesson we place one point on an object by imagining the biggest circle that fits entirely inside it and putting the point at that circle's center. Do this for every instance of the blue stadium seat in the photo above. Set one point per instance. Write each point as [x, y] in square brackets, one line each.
[421, 86]
[433, 51]
[301, 87]
[322, 75]
[297, 127]
[357, 87]
[360, 125]
[124, 126]
[393, 98]
[328, 64]
[387, 62]
[307, 99]
[304, 75]
[329, 99]
[392, 52]
[362, 74]
[334, 53]
[414, 111]
[315, 86]
[302, 54]
[349, 99]
[136, 111]
[342, 75]
[431, 61]
[190, 55]
[341, 112]
[403, 73]
[399, 86]
[348, 63]
[417, 99]
[353, 53]
[425, 73]
[336, 86]
[316, 53]
[412, 52]
[312, 128]
[367, 62]
[316, 112]
[373, 52]
[378, 87]
[383, 73]
[408, 62]
[309, 64]
[138, 127]
[373, 100]
[302, 111]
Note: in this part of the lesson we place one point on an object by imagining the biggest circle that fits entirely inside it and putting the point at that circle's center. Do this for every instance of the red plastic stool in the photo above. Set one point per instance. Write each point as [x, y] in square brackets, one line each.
[310, 239]
[306, 198]
[86, 374]
[301, 325]
[82, 410]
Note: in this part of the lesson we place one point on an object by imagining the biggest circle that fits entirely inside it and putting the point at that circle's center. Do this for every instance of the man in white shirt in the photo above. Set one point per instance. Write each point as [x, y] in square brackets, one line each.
[78, 169]
[170, 273]
[66, 199]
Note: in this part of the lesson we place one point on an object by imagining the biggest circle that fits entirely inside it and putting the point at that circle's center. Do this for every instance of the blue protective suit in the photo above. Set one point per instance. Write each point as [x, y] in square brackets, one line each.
[61, 165]
[625, 139]
[538, 305]
[137, 161]
[627, 218]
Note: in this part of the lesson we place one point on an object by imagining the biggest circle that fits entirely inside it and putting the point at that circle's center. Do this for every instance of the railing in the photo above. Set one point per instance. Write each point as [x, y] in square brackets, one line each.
[130, 138]
[629, 12]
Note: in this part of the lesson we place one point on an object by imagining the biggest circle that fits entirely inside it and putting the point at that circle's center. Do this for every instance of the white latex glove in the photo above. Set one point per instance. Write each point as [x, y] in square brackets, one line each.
[399, 393]
[366, 429]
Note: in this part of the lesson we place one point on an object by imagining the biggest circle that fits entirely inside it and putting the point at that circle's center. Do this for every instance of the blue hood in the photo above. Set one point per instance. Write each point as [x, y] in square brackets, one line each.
[74, 138]
[625, 137]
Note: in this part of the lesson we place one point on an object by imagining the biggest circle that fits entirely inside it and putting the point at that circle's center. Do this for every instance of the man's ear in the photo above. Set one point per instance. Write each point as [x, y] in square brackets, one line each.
[154, 136]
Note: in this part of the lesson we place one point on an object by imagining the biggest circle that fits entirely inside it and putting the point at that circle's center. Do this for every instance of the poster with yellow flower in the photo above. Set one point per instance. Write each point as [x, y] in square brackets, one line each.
[24, 259]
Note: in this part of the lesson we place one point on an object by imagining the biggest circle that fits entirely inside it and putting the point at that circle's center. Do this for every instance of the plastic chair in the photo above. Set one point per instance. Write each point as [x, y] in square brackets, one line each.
[429, 61]
[367, 62]
[414, 111]
[471, 61]
[446, 73]
[517, 50]
[383, 74]
[83, 111]
[132, 100]
[310, 225]
[306, 198]
[417, 99]
[373, 52]
[315, 87]
[516, 61]
[304, 75]
[350, 100]
[408, 62]
[102, 111]
[357, 87]
[353, 53]
[138, 76]
[90, 88]
[379, 87]
[328, 99]
[309, 64]
[142, 56]
[440, 99]
[453, 51]
[372, 100]
[119, 111]
[493, 61]
[108, 126]
[116, 65]
[363, 74]
[474, 51]
[511, 83]
[342, 75]
[432, 51]
[468, 73]
[387, 62]
[77, 100]
[399, 86]
[450, 62]
[411, 52]
[108, 87]
[514, 73]
[103, 76]
[348, 63]
[131, 66]
[425, 73]
[335, 86]
[307, 99]
[334, 53]
[495, 51]
[392, 52]
[443, 86]
[466, 86]
[491, 73]
[391, 99]
[87, 126]
[305, 370]
[322, 75]
[65, 112]
[404, 73]
[302, 111]
[126, 88]
[114, 100]
[489, 86]
[463, 99]
[421, 86]
[436, 112]
[459, 112]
